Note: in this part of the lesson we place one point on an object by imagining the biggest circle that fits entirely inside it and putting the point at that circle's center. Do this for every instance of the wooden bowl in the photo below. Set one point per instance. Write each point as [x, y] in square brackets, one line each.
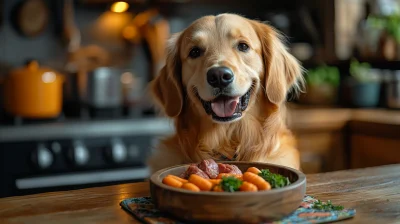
[237, 207]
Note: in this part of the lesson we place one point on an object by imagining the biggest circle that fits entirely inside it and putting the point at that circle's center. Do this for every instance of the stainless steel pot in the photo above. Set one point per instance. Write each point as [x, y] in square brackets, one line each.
[97, 89]
[104, 88]
[393, 91]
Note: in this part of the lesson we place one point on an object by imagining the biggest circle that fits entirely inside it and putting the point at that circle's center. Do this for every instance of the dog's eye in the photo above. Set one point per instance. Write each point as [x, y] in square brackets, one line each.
[243, 47]
[195, 52]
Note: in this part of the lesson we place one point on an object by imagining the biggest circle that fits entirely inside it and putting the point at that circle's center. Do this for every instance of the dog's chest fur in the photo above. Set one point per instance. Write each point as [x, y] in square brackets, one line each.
[242, 140]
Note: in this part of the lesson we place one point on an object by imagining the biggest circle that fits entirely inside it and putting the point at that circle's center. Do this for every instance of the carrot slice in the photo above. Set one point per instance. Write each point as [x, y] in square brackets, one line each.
[178, 178]
[215, 181]
[190, 187]
[200, 182]
[170, 181]
[253, 170]
[256, 180]
[229, 175]
[247, 186]
[217, 188]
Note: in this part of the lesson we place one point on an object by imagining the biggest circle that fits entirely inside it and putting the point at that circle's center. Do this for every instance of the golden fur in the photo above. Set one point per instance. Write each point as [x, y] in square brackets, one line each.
[261, 133]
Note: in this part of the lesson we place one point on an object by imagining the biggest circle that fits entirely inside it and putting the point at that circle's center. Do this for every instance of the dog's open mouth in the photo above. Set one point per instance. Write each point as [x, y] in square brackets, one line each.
[226, 108]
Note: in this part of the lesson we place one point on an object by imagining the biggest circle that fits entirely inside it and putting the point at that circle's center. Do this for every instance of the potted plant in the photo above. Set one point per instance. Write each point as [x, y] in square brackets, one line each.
[389, 42]
[363, 85]
[322, 84]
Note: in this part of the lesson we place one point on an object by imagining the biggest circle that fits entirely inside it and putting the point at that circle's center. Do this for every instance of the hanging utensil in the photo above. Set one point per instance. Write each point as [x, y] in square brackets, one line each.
[82, 64]
[156, 33]
[154, 29]
[71, 33]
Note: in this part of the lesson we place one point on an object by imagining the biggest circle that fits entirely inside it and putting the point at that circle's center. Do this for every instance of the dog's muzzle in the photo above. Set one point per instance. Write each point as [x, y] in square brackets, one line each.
[226, 108]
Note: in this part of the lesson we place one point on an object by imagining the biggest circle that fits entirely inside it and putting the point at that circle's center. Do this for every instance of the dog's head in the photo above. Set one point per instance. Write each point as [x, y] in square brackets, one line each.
[221, 64]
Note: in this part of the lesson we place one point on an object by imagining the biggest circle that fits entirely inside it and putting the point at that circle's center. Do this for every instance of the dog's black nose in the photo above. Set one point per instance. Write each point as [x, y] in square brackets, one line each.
[219, 77]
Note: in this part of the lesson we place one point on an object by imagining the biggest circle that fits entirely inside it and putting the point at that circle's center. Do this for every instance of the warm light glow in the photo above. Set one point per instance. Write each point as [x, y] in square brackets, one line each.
[110, 25]
[127, 78]
[119, 7]
[130, 32]
[48, 77]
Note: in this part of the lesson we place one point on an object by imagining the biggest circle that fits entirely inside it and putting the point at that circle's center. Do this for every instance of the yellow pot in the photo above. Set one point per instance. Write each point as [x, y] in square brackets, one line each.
[34, 92]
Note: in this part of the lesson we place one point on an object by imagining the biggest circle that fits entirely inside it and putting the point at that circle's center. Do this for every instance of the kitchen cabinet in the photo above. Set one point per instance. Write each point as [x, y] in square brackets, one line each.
[321, 137]
[375, 143]
[368, 151]
[321, 152]
[331, 139]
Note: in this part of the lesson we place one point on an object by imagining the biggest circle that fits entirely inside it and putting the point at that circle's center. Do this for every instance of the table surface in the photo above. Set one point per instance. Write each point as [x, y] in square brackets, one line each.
[374, 192]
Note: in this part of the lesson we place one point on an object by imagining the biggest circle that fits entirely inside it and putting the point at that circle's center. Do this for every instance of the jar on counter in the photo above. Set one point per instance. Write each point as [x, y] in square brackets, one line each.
[393, 91]
[386, 78]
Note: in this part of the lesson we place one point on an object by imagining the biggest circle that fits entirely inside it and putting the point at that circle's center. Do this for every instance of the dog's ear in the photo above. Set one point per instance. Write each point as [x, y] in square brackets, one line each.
[166, 88]
[282, 71]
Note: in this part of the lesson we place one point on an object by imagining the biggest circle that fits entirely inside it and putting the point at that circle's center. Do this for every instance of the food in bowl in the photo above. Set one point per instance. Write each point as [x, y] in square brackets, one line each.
[209, 175]
[210, 206]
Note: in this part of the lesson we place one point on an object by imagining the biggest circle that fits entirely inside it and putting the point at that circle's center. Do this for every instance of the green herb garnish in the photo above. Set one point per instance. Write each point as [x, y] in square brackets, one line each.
[230, 184]
[274, 179]
[328, 206]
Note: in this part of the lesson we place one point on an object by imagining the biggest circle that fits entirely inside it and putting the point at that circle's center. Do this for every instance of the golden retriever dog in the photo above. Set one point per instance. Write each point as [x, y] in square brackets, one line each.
[225, 84]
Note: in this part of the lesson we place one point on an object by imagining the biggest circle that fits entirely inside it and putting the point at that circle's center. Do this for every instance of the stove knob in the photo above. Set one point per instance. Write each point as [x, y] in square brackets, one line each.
[134, 152]
[79, 154]
[118, 152]
[42, 157]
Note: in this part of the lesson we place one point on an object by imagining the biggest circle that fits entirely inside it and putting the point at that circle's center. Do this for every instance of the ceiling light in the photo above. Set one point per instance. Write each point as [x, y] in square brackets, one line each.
[119, 7]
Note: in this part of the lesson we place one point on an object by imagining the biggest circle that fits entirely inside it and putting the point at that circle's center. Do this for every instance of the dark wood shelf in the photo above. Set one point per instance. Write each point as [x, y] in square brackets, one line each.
[344, 65]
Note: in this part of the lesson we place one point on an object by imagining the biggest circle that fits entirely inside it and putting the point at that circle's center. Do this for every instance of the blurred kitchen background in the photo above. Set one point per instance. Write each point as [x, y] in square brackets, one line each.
[73, 73]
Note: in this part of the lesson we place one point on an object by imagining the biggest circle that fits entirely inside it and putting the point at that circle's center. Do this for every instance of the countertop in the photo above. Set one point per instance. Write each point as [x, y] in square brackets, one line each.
[300, 118]
[374, 192]
[86, 129]
[374, 121]
[300, 115]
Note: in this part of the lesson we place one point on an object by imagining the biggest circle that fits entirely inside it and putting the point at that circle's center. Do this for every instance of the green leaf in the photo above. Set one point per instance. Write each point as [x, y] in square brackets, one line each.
[275, 180]
[230, 184]
[323, 75]
[327, 206]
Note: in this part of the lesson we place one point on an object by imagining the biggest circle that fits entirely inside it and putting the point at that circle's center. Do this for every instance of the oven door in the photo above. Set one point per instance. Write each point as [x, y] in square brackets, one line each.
[65, 164]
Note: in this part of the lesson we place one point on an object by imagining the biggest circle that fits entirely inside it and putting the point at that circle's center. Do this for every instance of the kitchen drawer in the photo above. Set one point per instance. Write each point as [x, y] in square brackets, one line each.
[315, 142]
[368, 151]
[321, 152]
[311, 163]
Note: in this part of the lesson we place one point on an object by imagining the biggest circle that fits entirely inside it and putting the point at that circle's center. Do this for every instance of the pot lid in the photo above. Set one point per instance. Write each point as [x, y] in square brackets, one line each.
[32, 67]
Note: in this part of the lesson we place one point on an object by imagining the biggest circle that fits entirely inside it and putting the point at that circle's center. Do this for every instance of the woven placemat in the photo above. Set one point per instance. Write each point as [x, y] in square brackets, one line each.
[144, 210]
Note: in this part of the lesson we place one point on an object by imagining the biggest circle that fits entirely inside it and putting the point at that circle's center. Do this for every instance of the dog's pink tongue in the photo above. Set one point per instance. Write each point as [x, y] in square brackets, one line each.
[225, 107]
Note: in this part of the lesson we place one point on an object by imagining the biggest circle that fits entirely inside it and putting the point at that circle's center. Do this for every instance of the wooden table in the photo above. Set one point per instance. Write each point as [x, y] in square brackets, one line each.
[374, 192]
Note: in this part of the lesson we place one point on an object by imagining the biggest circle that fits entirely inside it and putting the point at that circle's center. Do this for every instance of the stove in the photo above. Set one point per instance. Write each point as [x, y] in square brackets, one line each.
[73, 154]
